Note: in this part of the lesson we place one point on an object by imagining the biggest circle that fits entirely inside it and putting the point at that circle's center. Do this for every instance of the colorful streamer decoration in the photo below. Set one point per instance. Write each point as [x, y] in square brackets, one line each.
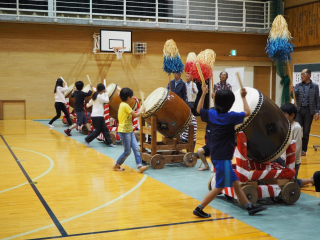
[172, 61]
[206, 60]
[279, 45]
[191, 60]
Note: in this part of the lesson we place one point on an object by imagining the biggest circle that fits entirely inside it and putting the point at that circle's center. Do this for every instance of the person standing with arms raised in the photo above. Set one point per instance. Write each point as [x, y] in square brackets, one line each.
[307, 96]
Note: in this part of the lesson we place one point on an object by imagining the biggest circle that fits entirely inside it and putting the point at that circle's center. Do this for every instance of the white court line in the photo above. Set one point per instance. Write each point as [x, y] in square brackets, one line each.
[49, 169]
[85, 213]
[38, 138]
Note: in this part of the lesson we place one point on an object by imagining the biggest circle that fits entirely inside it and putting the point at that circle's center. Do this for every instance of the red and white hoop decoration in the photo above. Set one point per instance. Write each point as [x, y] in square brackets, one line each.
[118, 51]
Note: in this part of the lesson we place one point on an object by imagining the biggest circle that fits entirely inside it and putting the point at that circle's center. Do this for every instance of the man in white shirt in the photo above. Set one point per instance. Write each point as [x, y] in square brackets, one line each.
[192, 91]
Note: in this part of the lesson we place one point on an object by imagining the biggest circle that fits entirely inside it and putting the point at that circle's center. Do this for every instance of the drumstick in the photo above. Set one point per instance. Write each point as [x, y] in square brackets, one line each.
[142, 97]
[212, 87]
[104, 82]
[63, 79]
[238, 76]
[200, 74]
[89, 79]
[290, 77]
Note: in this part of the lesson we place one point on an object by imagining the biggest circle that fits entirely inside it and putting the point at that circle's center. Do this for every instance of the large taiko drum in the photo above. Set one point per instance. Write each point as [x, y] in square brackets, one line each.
[172, 113]
[267, 129]
[113, 91]
[67, 93]
[72, 99]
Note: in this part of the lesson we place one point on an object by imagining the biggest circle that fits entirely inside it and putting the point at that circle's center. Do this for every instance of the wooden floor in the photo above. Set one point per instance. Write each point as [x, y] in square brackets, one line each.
[74, 193]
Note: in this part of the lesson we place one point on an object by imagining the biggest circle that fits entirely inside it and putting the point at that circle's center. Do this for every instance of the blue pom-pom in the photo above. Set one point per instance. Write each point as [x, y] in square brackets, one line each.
[173, 65]
[279, 49]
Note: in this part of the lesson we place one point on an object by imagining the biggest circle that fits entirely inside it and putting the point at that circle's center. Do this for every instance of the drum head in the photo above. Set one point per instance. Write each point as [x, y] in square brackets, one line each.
[111, 88]
[154, 101]
[69, 90]
[252, 99]
[86, 88]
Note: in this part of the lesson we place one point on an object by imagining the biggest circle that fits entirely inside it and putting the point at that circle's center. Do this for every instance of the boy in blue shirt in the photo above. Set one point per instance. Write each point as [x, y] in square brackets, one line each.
[221, 124]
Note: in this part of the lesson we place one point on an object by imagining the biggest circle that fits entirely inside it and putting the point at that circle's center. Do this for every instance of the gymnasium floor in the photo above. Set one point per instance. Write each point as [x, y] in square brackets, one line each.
[53, 186]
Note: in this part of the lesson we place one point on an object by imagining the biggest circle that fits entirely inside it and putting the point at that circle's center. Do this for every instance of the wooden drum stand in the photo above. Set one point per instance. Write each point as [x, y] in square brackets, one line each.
[169, 150]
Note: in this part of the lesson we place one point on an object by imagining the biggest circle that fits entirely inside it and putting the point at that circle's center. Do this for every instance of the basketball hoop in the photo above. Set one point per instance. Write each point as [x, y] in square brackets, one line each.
[118, 51]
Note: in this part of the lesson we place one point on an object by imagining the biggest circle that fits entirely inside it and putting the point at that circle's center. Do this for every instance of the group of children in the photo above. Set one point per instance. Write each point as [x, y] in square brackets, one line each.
[220, 140]
[99, 98]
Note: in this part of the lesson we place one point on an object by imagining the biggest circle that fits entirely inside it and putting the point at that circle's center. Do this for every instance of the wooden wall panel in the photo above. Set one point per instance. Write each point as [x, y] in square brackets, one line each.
[306, 55]
[293, 3]
[33, 56]
[303, 23]
[13, 110]
[262, 79]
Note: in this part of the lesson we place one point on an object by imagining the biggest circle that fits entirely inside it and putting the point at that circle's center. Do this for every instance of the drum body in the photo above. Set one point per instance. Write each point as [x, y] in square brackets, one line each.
[267, 129]
[72, 99]
[173, 114]
[113, 91]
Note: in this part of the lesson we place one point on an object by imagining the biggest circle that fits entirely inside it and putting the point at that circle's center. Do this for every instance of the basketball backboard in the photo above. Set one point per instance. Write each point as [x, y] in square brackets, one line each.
[115, 38]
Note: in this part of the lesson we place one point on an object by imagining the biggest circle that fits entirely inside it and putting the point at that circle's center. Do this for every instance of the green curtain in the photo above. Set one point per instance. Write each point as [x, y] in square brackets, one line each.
[285, 81]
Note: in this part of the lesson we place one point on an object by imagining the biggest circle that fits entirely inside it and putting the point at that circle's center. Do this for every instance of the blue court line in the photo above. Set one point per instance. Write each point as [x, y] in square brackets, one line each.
[44, 203]
[136, 228]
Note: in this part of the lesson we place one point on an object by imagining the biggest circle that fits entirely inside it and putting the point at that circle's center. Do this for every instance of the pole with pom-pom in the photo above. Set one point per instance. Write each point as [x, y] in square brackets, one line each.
[279, 48]
[172, 61]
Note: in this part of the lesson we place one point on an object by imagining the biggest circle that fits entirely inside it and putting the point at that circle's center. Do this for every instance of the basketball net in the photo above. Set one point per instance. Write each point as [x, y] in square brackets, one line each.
[118, 51]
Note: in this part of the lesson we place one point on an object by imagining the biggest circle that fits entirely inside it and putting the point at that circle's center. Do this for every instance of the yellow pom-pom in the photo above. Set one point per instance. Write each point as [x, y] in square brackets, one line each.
[279, 28]
[191, 57]
[170, 49]
[207, 57]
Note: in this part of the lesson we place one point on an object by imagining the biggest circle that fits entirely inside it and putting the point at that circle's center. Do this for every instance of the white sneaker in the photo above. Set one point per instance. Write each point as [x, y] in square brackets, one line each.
[111, 145]
[86, 143]
[51, 126]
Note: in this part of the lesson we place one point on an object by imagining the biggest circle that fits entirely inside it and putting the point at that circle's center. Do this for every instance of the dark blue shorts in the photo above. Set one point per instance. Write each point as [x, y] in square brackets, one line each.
[225, 175]
[81, 118]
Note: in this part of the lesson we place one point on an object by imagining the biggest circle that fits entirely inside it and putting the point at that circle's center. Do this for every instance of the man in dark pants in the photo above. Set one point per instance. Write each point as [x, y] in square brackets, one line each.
[307, 96]
[178, 86]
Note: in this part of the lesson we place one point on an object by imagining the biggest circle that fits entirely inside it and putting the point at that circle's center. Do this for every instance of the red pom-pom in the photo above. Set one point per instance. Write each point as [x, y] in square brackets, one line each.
[206, 72]
[188, 66]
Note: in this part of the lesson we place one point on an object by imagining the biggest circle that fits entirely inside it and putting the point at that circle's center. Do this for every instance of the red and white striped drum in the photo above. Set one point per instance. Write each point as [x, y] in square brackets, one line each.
[267, 129]
[173, 114]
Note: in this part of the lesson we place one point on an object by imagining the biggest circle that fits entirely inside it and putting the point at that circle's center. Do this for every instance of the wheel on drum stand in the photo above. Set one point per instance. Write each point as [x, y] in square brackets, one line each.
[190, 159]
[251, 194]
[157, 161]
[84, 130]
[209, 184]
[113, 137]
[290, 192]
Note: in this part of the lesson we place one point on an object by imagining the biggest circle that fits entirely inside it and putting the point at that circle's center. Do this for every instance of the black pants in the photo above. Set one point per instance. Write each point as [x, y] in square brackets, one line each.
[61, 107]
[305, 120]
[99, 126]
